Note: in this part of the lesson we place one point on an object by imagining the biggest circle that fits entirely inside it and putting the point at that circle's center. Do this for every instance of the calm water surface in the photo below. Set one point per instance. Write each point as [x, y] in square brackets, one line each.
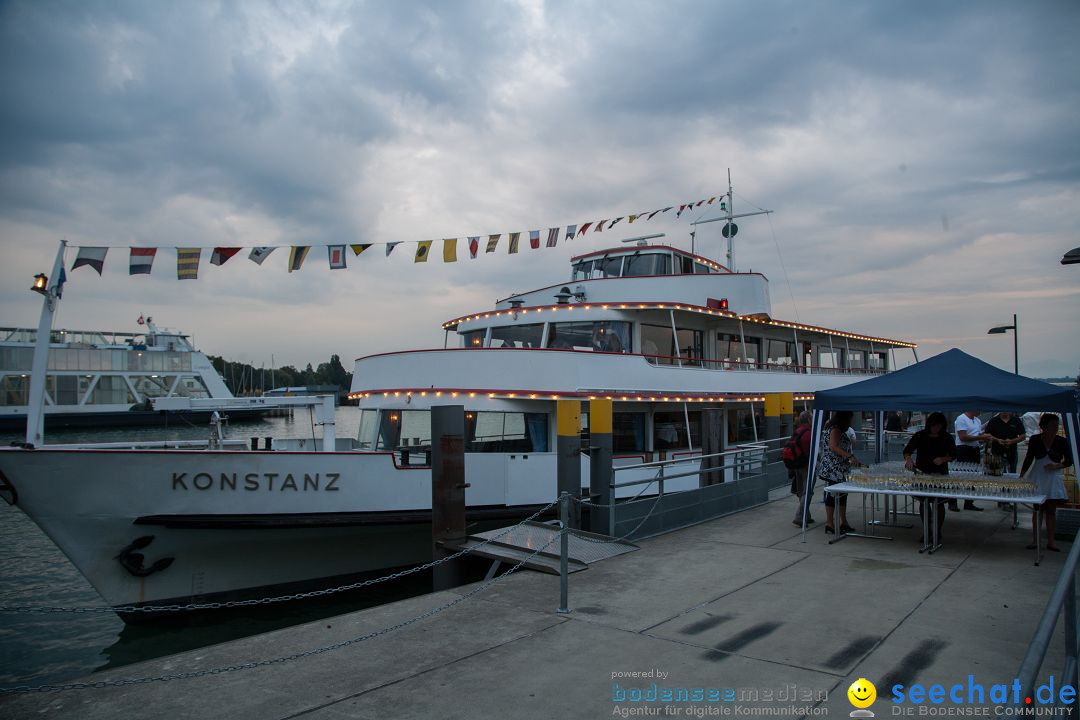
[36, 649]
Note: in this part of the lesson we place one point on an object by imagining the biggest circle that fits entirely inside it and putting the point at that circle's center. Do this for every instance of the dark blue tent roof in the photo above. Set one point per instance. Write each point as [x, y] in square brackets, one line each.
[952, 380]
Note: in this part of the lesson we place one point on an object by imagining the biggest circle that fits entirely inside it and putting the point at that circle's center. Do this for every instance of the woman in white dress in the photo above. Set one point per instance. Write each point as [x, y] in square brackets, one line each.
[1047, 454]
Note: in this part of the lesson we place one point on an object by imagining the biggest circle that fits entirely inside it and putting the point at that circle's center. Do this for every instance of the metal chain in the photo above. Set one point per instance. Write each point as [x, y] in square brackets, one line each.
[23, 689]
[608, 541]
[590, 503]
[270, 600]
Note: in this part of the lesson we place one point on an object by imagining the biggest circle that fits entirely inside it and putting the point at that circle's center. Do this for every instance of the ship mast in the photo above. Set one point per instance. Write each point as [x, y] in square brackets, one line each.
[730, 229]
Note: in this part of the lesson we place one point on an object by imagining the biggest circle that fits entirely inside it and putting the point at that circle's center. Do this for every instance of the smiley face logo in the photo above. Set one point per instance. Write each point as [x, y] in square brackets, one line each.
[862, 693]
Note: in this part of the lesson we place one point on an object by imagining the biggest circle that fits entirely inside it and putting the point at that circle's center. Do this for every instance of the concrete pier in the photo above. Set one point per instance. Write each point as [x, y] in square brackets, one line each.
[736, 603]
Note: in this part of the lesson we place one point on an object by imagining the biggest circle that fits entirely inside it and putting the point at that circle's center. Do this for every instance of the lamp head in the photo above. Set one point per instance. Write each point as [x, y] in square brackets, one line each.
[41, 284]
[1000, 329]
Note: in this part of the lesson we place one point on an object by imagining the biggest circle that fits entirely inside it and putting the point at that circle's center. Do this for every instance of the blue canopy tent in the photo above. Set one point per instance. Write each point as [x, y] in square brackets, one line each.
[952, 380]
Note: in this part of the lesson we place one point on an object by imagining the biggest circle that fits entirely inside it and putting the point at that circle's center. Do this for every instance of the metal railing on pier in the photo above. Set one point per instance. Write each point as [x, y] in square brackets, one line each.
[1062, 600]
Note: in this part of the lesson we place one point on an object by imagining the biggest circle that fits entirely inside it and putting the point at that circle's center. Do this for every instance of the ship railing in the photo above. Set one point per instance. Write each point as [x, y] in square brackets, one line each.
[691, 361]
[728, 481]
[227, 444]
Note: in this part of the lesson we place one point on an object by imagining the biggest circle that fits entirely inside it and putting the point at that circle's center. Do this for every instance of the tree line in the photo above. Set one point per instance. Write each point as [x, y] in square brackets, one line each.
[244, 379]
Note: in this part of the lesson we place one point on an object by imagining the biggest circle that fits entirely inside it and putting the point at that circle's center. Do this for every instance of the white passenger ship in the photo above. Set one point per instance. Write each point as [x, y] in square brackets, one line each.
[662, 332]
[99, 378]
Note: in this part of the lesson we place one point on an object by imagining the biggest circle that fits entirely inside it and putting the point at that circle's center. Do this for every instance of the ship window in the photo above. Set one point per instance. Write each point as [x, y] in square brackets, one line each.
[583, 270]
[700, 269]
[879, 361]
[151, 387]
[741, 425]
[401, 429]
[473, 339]
[14, 390]
[506, 432]
[608, 267]
[857, 359]
[657, 341]
[780, 352]
[64, 389]
[366, 434]
[17, 358]
[647, 264]
[111, 390]
[607, 336]
[669, 430]
[733, 350]
[829, 358]
[687, 265]
[190, 386]
[628, 433]
[517, 336]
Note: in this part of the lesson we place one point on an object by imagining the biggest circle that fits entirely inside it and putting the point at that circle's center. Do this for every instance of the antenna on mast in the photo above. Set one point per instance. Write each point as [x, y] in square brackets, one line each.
[730, 229]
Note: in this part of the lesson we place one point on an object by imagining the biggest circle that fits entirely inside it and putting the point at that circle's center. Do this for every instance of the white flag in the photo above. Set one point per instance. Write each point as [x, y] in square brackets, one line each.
[259, 254]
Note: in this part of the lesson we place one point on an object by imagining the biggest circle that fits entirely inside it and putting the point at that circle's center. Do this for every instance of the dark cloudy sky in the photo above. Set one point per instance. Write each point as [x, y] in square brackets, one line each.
[922, 158]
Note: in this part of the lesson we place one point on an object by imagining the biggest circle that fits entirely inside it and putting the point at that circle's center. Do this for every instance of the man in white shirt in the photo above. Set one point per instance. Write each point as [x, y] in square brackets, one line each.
[969, 440]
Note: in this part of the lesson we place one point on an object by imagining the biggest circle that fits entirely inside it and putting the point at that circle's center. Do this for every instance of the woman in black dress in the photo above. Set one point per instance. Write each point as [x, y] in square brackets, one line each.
[929, 451]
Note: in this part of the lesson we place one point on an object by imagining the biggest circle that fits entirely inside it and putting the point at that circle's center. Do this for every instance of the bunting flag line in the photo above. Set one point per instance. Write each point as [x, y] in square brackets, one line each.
[221, 255]
[297, 255]
[187, 263]
[141, 260]
[91, 256]
[422, 249]
[258, 254]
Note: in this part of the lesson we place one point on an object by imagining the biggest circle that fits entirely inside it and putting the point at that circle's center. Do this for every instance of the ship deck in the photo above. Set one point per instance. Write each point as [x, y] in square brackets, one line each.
[738, 602]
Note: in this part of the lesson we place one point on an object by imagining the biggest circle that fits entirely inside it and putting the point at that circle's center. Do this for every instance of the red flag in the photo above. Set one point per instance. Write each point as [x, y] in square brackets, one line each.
[584, 228]
[474, 246]
[221, 255]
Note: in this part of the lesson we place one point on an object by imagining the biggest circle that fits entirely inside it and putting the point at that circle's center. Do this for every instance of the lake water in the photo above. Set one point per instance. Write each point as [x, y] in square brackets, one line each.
[48, 648]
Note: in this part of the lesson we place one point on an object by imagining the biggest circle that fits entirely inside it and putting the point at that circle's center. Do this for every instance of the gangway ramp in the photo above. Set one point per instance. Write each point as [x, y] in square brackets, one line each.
[522, 541]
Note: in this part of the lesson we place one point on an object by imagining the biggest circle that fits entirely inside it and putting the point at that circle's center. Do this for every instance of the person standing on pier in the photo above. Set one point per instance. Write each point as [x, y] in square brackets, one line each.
[1047, 455]
[801, 439]
[837, 459]
[969, 439]
[933, 449]
[1008, 432]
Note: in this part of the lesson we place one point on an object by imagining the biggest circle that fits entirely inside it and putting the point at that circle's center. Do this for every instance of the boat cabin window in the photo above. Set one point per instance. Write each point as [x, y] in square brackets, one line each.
[669, 430]
[857, 359]
[830, 358]
[685, 264]
[605, 336]
[733, 350]
[701, 269]
[111, 390]
[365, 435]
[637, 265]
[151, 386]
[15, 390]
[664, 348]
[191, 386]
[628, 433]
[607, 267]
[404, 429]
[780, 352]
[506, 432]
[473, 339]
[18, 358]
[741, 425]
[879, 360]
[518, 336]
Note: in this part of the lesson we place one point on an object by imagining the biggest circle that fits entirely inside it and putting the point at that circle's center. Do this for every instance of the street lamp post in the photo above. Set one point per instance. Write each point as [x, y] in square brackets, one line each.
[1001, 330]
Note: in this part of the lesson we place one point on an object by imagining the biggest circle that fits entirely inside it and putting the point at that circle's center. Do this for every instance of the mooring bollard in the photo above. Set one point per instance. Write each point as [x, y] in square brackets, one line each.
[564, 552]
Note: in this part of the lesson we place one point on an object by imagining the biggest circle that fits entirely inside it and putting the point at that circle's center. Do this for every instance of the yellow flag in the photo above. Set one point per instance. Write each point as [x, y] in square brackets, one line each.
[449, 250]
[357, 249]
[422, 249]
